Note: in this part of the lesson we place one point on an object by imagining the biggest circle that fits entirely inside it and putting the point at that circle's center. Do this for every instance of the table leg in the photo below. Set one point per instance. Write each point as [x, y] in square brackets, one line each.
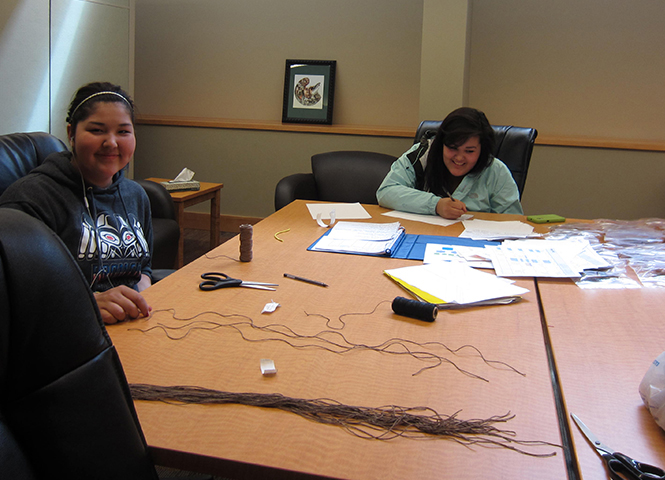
[214, 220]
[180, 212]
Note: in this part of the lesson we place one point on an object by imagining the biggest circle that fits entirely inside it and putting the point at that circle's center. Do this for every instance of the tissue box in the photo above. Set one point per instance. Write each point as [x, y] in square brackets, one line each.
[173, 186]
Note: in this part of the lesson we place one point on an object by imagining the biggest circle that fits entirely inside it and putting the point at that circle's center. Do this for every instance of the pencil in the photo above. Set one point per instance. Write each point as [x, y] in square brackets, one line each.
[306, 280]
[450, 195]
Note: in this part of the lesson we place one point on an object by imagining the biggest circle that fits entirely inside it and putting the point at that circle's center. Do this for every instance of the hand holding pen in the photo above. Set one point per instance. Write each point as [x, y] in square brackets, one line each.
[450, 208]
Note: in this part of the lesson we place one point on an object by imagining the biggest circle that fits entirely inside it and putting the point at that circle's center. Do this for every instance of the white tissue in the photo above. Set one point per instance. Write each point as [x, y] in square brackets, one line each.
[184, 176]
[652, 390]
[320, 221]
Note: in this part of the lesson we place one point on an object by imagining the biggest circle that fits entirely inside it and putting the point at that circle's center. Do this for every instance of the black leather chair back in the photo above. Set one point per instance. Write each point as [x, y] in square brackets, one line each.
[513, 146]
[350, 176]
[21, 152]
[65, 407]
[343, 176]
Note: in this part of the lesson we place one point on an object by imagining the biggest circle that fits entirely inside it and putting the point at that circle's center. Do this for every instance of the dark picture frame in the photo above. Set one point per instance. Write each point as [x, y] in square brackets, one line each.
[309, 91]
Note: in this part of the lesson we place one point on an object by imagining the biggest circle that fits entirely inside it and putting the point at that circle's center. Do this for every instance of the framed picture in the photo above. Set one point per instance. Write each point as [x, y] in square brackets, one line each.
[309, 87]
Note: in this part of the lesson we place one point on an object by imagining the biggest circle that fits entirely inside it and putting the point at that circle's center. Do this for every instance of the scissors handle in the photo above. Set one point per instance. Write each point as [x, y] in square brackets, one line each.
[625, 467]
[215, 280]
[214, 285]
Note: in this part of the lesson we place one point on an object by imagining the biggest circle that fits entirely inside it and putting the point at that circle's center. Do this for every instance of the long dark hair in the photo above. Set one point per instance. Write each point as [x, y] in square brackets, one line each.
[456, 129]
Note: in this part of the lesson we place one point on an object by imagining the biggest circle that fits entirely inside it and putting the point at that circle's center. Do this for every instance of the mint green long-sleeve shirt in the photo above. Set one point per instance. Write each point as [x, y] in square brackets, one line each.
[493, 190]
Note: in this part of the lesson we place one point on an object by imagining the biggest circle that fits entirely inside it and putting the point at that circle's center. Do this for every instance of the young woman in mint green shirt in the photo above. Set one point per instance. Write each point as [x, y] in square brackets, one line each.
[455, 174]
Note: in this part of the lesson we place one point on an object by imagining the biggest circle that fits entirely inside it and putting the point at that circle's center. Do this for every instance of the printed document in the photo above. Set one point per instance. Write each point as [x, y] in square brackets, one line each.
[361, 238]
[475, 257]
[545, 258]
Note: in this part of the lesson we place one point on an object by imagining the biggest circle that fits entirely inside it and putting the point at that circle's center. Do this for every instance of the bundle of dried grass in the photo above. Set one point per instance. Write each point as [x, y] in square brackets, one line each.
[380, 423]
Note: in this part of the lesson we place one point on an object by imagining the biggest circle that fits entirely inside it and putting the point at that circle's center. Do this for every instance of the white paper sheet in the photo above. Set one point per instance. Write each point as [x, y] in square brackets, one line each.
[364, 231]
[577, 252]
[453, 282]
[343, 211]
[431, 219]
[530, 262]
[493, 230]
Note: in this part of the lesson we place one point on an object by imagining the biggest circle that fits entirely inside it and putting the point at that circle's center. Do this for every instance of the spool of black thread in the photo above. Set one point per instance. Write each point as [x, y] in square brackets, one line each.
[414, 309]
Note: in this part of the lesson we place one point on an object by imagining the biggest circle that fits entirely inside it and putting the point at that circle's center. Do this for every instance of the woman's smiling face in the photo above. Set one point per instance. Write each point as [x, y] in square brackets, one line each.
[103, 143]
[461, 159]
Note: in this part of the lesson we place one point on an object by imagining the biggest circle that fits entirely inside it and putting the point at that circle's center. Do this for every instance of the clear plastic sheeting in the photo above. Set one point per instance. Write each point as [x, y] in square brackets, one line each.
[636, 244]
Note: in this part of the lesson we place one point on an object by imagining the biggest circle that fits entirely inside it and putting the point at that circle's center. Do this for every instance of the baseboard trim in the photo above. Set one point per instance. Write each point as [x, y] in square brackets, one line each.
[227, 223]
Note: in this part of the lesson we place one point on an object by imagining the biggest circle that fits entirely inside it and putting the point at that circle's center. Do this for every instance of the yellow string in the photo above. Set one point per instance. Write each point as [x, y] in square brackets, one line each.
[280, 232]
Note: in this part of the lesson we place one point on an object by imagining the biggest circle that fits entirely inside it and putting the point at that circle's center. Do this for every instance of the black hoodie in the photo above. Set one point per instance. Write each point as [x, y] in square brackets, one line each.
[54, 193]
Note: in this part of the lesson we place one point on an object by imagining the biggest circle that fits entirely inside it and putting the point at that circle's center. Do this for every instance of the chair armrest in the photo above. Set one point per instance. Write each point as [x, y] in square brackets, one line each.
[161, 203]
[297, 186]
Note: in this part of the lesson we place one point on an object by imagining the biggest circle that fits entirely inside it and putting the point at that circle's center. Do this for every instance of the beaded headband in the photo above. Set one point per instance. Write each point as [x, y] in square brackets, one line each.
[95, 95]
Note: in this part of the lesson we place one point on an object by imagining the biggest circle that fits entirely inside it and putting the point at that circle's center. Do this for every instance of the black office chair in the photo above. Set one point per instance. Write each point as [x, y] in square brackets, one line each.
[513, 146]
[65, 407]
[21, 152]
[165, 228]
[343, 177]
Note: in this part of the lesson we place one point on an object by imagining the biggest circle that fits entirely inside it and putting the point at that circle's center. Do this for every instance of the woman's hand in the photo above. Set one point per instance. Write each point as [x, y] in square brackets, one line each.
[121, 303]
[450, 208]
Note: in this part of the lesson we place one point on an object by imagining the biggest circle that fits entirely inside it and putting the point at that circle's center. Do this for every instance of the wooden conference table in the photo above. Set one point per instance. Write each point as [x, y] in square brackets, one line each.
[604, 342]
[249, 442]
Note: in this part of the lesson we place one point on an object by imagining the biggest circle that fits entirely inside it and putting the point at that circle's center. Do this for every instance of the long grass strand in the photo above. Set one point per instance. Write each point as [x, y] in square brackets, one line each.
[332, 341]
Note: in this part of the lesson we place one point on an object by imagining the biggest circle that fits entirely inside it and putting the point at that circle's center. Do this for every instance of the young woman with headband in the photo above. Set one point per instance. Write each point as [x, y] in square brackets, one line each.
[452, 172]
[102, 217]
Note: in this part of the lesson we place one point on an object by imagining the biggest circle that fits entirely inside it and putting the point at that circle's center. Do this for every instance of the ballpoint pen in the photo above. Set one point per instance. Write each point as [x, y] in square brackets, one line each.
[306, 280]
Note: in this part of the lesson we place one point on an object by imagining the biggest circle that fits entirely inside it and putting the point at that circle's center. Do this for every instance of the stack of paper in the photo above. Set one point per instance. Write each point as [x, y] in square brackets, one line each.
[492, 230]
[361, 238]
[453, 283]
[545, 258]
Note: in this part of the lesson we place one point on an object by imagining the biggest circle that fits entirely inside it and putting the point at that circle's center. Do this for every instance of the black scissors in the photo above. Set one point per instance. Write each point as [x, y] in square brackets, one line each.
[621, 466]
[215, 280]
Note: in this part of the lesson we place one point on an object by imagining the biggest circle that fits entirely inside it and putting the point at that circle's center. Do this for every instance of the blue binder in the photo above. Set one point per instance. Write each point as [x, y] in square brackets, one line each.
[412, 247]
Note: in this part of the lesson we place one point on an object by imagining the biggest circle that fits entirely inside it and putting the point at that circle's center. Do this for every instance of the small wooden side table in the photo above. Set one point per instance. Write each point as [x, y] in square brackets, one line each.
[187, 198]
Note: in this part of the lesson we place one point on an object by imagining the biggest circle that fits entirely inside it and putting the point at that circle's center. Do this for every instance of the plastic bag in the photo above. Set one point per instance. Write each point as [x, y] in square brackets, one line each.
[652, 390]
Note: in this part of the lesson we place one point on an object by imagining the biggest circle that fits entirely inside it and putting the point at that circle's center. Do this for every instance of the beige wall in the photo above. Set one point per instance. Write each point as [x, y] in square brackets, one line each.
[24, 60]
[571, 67]
[595, 183]
[48, 49]
[445, 56]
[91, 42]
[208, 58]
[584, 67]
